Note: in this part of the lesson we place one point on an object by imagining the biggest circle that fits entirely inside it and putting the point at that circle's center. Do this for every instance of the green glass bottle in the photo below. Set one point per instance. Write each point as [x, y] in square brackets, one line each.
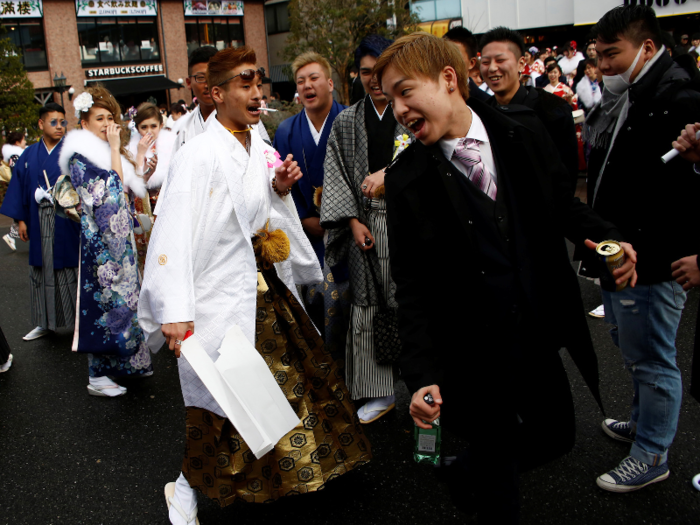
[427, 447]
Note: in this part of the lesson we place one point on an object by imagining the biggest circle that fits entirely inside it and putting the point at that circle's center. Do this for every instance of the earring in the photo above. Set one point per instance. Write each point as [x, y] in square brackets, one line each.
[452, 89]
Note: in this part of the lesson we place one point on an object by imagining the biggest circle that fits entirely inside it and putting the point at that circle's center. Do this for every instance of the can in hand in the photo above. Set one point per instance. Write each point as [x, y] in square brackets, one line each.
[610, 257]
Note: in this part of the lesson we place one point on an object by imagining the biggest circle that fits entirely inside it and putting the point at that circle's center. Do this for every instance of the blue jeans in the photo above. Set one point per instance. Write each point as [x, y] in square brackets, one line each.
[646, 320]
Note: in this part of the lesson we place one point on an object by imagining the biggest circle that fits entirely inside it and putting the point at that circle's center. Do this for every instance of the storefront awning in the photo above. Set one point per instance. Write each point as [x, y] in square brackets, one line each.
[279, 73]
[133, 85]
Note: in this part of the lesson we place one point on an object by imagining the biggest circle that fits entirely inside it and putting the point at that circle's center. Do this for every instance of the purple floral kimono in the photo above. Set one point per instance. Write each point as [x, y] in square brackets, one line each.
[106, 324]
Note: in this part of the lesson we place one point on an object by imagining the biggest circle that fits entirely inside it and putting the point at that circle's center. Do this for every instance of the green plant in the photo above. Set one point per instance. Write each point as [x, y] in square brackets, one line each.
[18, 108]
[274, 118]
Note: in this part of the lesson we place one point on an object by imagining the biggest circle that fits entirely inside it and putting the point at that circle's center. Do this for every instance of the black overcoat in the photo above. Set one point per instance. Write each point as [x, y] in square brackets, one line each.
[446, 319]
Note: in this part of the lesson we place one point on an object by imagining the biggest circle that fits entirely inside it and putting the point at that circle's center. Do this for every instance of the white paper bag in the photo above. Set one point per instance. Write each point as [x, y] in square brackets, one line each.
[244, 388]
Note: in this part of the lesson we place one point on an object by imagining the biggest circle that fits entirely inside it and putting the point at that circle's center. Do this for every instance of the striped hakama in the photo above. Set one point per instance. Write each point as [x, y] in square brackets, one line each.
[363, 376]
[53, 292]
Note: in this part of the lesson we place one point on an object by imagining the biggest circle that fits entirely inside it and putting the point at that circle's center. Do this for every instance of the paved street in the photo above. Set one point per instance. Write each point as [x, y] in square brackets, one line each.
[67, 457]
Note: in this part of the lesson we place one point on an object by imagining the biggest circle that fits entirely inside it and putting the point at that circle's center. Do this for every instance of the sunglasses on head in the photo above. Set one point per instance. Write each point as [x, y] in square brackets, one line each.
[54, 122]
[246, 75]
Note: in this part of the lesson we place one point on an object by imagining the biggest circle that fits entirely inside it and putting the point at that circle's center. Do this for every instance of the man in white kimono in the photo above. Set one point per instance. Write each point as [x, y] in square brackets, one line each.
[194, 123]
[201, 269]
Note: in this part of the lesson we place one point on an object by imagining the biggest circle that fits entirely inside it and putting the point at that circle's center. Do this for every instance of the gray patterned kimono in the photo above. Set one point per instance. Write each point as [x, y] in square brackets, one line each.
[345, 167]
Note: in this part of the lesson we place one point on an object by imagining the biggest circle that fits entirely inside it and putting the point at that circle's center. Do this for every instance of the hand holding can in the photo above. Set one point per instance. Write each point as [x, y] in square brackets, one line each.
[617, 263]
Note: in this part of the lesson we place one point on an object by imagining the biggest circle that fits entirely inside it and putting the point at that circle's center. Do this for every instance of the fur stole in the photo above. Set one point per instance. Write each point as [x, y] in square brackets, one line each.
[97, 151]
[165, 143]
[8, 150]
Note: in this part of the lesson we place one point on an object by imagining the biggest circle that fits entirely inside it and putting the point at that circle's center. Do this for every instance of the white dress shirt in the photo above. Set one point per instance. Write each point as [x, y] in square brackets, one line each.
[477, 131]
[316, 134]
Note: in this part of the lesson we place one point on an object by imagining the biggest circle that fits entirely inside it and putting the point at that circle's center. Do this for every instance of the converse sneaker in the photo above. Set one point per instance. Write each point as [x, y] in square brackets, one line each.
[619, 430]
[631, 474]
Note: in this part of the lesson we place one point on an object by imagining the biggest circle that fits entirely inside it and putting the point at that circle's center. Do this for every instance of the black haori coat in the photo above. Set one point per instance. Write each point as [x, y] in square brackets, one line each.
[450, 333]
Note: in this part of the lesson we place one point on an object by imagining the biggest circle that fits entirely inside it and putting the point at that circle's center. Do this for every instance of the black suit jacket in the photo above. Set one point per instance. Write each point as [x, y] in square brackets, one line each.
[555, 113]
[446, 325]
[477, 93]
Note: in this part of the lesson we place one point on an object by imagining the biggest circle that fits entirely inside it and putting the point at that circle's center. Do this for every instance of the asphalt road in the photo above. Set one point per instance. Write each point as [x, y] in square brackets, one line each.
[66, 457]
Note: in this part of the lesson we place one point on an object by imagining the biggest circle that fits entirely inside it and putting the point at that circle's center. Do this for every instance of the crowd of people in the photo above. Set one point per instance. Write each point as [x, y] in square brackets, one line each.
[321, 248]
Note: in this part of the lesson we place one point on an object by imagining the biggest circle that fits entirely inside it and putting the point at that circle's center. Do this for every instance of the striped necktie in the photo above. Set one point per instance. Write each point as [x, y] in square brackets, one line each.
[467, 151]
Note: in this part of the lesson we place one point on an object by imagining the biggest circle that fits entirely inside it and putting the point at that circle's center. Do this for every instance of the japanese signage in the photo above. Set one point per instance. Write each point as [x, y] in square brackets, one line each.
[20, 9]
[122, 71]
[209, 8]
[116, 8]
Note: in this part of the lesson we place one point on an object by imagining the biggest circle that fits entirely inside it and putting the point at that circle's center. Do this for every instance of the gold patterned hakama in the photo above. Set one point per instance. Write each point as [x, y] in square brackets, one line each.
[327, 442]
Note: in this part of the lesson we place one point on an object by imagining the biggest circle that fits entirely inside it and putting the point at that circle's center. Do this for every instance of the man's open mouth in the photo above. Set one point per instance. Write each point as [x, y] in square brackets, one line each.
[415, 125]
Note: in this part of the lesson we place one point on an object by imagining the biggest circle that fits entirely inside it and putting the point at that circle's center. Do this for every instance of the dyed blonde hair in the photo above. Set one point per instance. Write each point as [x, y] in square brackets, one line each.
[424, 55]
[310, 57]
[102, 98]
[145, 111]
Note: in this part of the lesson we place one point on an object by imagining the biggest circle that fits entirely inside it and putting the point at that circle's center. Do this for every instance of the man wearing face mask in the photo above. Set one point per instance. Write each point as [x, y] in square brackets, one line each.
[646, 99]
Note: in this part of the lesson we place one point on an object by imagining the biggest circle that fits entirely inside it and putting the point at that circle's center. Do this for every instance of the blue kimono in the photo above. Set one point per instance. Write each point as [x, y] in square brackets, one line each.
[20, 204]
[294, 136]
[327, 302]
[109, 283]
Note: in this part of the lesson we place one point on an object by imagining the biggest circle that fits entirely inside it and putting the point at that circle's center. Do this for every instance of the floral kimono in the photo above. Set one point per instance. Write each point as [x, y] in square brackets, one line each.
[106, 325]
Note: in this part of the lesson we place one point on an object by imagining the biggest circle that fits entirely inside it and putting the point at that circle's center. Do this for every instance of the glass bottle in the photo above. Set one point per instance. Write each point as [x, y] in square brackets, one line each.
[427, 446]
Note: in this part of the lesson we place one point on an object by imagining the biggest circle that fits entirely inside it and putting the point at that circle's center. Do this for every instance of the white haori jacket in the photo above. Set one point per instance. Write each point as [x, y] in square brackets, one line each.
[200, 265]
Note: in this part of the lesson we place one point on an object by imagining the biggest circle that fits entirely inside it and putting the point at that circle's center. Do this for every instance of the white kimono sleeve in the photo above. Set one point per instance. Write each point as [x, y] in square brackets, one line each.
[167, 294]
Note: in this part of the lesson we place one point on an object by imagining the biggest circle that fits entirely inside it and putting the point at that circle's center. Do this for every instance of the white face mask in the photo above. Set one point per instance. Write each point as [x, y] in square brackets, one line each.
[617, 84]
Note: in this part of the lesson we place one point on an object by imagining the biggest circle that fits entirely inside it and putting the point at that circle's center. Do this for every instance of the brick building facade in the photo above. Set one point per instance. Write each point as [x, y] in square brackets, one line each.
[138, 50]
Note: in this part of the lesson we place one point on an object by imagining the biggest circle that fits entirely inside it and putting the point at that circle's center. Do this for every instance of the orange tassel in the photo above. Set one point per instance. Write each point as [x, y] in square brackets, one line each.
[273, 246]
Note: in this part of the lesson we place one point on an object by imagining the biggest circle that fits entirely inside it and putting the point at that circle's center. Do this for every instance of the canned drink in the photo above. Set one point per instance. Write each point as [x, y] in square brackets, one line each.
[611, 256]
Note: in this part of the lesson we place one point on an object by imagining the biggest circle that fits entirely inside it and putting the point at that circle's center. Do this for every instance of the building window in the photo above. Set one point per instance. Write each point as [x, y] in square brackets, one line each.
[28, 36]
[429, 10]
[218, 32]
[277, 17]
[106, 40]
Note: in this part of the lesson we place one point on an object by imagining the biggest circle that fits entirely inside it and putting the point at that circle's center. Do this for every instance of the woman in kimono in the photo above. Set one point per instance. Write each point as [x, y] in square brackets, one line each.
[104, 177]
[363, 140]
[557, 88]
[228, 250]
[151, 147]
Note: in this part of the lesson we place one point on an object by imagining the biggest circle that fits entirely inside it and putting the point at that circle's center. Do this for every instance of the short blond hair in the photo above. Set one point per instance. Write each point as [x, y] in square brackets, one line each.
[310, 57]
[422, 54]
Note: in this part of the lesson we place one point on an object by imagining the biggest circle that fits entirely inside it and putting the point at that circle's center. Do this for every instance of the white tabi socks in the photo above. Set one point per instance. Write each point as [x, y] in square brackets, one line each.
[186, 500]
[108, 387]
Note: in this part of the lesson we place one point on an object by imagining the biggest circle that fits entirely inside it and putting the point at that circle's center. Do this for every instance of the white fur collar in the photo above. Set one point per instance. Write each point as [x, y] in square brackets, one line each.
[164, 148]
[97, 151]
[10, 149]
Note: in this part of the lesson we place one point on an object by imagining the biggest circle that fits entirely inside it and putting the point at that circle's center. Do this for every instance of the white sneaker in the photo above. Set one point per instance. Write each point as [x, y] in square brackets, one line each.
[598, 312]
[6, 366]
[10, 242]
[36, 333]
